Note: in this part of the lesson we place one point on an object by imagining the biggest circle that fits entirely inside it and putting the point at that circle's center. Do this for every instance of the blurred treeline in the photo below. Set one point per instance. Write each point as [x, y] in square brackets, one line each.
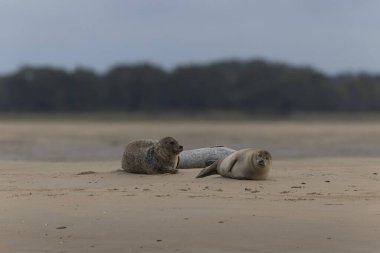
[247, 86]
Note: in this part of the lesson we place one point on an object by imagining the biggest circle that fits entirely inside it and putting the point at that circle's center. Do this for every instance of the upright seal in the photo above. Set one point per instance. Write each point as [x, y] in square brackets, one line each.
[243, 164]
[152, 156]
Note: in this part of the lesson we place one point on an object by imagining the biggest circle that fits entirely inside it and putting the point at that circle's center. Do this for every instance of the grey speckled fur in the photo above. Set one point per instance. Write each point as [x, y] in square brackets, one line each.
[202, 157]
[151, 156]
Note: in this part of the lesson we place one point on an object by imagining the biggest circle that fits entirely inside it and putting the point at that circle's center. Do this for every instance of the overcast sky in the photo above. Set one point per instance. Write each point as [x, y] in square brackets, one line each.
[331, 35]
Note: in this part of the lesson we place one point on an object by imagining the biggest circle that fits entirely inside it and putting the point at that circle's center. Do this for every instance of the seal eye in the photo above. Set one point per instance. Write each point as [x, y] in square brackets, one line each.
[172, 143]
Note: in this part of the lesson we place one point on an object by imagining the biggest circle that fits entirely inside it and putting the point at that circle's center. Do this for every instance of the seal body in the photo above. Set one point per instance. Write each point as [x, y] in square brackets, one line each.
[243, 164]
[202, 157]
[152, 156]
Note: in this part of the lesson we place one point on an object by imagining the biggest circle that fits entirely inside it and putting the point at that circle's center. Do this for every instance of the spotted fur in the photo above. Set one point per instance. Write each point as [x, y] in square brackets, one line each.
[151, 156]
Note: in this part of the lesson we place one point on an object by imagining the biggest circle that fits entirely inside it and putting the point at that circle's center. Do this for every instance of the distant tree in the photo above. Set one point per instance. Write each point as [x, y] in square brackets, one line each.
[255, 86]
[85, 91]
[32, 89]
[3, 95]
[133, 88]
[358, 92]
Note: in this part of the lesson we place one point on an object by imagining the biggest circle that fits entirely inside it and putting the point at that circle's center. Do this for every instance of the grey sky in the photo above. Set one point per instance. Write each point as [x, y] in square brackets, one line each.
[331, 35]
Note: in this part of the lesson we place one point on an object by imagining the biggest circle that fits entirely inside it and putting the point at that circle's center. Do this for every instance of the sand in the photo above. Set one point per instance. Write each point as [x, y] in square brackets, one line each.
[75, 201]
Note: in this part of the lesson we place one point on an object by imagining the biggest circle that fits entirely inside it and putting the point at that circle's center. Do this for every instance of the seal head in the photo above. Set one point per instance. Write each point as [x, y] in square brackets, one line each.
[170, 146]
[261, 159]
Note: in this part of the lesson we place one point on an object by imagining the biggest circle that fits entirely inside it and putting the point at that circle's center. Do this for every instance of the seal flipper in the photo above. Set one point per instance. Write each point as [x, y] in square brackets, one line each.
[232, 165]
[208, 163]
[208, 171]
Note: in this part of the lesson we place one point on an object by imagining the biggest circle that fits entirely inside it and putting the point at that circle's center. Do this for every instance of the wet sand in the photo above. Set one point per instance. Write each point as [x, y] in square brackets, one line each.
[53, 201]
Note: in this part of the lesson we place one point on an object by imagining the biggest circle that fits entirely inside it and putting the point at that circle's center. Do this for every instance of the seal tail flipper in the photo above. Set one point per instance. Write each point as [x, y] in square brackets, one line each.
[208, 171]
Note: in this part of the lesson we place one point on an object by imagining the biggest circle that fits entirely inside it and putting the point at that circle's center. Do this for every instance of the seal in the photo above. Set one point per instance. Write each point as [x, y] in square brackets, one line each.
[243, 164]
[202, 157]
[152, 156]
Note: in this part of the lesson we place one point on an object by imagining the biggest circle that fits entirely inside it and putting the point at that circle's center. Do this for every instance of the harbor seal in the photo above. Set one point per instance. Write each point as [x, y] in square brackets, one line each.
[202, 157]
[152, 156]
[243, 164]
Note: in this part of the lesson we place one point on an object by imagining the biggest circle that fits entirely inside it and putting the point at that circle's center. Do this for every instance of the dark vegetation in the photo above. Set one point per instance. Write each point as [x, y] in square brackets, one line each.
[246, 86]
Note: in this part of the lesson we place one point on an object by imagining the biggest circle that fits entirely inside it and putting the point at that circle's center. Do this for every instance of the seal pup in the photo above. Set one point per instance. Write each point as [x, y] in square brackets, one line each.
[243, 164]
[152, 156]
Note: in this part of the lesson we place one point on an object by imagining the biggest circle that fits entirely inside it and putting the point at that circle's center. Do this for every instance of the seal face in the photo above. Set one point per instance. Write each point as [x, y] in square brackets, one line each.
[152, 156]
[242, 164]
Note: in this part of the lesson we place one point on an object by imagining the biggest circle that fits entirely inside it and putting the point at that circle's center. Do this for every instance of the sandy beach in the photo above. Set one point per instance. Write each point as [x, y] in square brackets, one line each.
[62, 191]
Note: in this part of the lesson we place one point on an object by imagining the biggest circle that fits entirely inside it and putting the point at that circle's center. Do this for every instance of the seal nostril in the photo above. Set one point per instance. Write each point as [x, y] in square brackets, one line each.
[180, 147]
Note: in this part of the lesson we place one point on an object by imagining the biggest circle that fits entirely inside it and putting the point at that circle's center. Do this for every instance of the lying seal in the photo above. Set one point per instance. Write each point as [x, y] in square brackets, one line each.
[152, 156]
[243, 164]
[202, 157]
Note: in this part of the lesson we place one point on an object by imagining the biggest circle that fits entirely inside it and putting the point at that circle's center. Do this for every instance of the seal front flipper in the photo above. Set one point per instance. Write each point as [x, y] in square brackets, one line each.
[208, 171]
[232, 165]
